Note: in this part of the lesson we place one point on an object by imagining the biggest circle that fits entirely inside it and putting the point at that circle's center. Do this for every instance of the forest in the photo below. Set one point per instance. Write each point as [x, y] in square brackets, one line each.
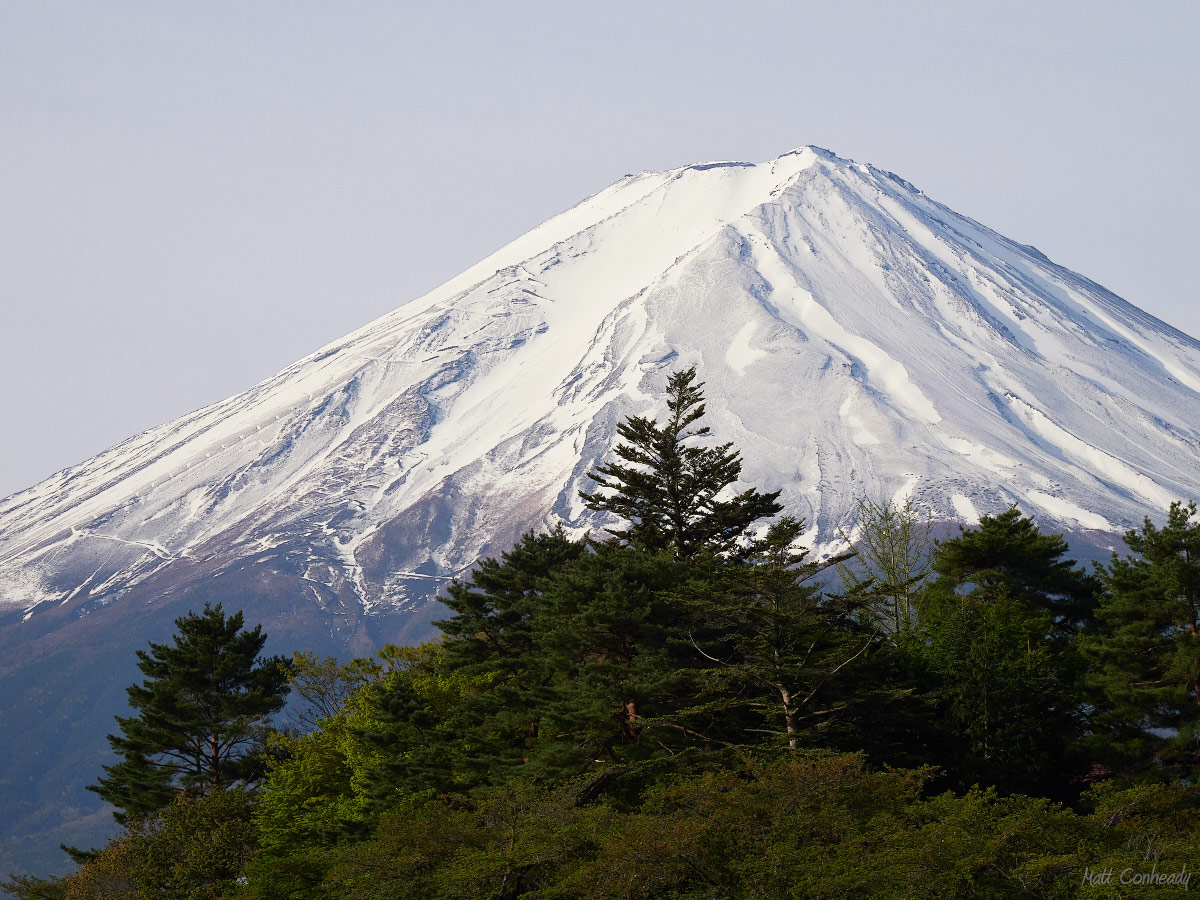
[689, 705]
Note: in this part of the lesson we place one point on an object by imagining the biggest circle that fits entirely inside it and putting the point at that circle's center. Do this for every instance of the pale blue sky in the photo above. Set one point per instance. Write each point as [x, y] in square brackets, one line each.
[193, 195]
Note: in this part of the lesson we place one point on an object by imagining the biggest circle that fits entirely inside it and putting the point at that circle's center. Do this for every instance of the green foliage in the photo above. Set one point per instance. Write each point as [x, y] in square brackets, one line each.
[30, 887]
[490, 631]
[321, 783]
[808, 825]
[580, 658]
[511, 840]
[1140, 829]
[997, 627]
[690, 711]
[315, 778]
[893, 560]
[1011, 701]
[776, 645]
[411, 727]
[668, 490]
[1007, 552]
[201, 714]
[1145, 652]
[607, 672]
[321, 687]
[195, 848]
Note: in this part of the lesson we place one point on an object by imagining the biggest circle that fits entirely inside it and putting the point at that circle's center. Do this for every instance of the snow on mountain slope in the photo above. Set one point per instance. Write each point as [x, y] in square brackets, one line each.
[856, 338]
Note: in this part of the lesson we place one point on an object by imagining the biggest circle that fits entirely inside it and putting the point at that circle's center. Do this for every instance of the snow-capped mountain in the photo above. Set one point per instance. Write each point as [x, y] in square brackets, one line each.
[857, 339]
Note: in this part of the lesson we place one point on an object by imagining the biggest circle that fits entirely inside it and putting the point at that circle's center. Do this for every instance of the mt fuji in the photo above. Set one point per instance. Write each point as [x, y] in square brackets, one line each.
[857, 340]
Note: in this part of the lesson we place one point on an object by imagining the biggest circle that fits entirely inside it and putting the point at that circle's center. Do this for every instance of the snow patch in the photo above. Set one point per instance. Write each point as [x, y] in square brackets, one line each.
[964, 508]
[1065, 509]
[905, 492]
[1092, 458]
[803, 311]
[741, 352]
[859, 433]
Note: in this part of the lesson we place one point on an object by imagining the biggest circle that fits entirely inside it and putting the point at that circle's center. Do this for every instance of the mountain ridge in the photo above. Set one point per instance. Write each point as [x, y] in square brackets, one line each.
[419, 384]
[857, 339]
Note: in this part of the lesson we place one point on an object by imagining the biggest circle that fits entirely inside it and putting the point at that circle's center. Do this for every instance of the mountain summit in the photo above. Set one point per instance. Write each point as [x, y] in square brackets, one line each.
[857, 339]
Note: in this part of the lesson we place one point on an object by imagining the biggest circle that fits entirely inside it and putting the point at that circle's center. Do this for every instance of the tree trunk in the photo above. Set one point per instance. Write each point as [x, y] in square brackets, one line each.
[790, 718]
[629, 727]
[214, 763]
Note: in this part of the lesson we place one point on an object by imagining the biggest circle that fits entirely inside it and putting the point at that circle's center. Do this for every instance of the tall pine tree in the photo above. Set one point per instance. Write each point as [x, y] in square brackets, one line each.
[200, 714]
[669, 490]
[1145, 651]
[998, 626]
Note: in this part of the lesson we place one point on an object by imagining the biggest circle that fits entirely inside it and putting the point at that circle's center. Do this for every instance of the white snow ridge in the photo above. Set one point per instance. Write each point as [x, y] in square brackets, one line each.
[857, 339]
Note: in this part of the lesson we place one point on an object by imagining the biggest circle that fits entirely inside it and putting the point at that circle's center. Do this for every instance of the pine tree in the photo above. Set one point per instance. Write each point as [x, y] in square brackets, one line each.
[669, 490]
[491, 639]
[489, 633]
[776, 646]
[1145, 651]
[200, 716]
[1008, 552]
[570, 648]
[611, 667]
[998, 627]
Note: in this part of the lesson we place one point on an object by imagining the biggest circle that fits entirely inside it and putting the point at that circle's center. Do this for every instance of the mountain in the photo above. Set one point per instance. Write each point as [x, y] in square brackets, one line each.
[856, 338]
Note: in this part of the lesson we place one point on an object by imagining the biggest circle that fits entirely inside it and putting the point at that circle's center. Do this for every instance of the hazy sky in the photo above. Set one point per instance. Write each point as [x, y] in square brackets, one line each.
[194, 195]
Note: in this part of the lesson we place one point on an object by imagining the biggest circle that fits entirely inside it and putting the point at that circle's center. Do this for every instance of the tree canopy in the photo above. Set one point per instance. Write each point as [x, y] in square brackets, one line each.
[692, 708]
[1145, 651]
[200, 714]
[671, 492]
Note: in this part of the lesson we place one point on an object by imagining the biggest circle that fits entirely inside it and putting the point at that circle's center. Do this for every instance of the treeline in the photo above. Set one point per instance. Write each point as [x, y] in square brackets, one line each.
[692, 707]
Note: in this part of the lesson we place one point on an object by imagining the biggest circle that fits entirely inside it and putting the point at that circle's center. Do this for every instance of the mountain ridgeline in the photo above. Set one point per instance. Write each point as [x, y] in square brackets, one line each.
[856, 338]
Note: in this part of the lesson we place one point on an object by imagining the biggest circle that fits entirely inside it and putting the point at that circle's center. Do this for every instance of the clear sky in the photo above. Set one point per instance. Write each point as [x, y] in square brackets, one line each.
[194, 195]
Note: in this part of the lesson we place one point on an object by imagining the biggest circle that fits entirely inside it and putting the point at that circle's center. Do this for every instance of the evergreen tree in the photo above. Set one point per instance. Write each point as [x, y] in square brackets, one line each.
[575, 654]
[998, 624]
[611, 667]
[1010, 699]
[489, 633]
[491, 640]
[776, 646]
[581, 647]
[1145, 651]
[1008, 552]
[200, 716]
[668, 490]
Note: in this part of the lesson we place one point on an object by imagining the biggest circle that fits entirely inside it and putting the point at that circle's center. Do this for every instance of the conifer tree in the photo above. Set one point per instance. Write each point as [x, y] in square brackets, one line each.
[570, 648]
[611, 664]
[776, 646]
[1008, 552]
[998, 625]
[200, 714]
[1145, 651]
[668, 490]
[489, 633]
[491, 638]
[1010, 699]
